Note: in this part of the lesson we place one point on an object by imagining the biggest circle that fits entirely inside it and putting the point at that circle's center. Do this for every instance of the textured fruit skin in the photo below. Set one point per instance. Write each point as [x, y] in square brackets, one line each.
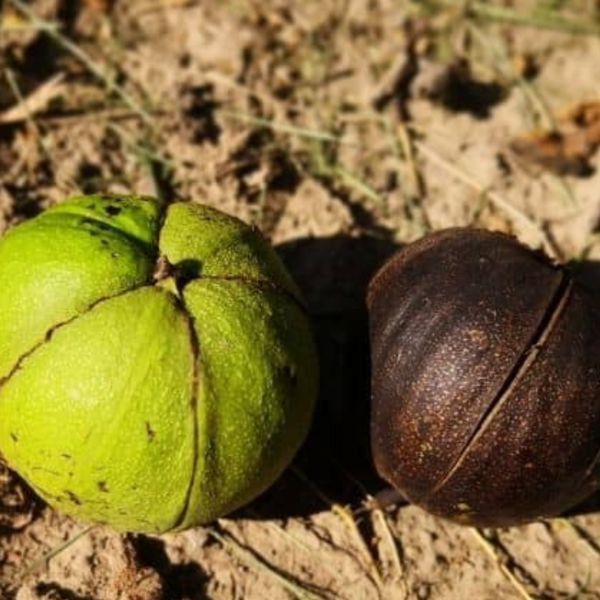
[485, 379]
[150, 402]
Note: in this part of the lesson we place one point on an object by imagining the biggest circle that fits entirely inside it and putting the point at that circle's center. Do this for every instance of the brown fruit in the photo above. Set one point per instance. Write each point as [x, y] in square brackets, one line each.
[485, 379]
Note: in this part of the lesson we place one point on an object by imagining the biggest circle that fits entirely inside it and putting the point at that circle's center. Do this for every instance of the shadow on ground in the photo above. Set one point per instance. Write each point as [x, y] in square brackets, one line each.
[335, 463]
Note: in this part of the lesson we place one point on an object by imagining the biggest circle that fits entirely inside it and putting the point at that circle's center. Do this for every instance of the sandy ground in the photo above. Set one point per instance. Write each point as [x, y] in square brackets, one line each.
[343, 130]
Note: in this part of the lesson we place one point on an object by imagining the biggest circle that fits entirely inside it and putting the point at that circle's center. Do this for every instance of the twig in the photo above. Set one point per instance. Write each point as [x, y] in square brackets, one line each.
[407, 145]
[24, 28]
[347, 516]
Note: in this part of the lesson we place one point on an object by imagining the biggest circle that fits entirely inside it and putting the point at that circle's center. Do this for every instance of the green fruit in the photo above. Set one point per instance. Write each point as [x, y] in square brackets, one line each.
[149, 399]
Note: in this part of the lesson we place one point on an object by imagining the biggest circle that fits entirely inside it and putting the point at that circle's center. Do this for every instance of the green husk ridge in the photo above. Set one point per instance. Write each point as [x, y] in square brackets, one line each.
[149, 402]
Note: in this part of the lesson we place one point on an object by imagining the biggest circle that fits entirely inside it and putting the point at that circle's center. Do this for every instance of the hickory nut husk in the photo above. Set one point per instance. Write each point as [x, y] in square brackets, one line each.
[157, 368]
[485, 380]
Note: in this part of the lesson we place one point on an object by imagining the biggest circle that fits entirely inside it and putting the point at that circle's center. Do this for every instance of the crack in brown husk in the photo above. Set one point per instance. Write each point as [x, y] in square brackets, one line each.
[540, 336]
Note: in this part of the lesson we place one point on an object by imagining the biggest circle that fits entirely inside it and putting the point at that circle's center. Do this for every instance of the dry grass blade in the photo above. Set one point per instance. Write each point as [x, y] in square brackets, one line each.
[42, 562]
[407, 144]
[14, 86]
[92, 114]
[37, 101]
[391, 538]
[352, 181]
[541, 111]
[496, 199]
[489, 550]
[323, 136]
[338, 171]
[541, 18]
[85, 59]
[347, 517]
[591, 543]
[245, 556]
[159, 167]
[404, 140]
[371, 506]
[12, 22]
[285, 534]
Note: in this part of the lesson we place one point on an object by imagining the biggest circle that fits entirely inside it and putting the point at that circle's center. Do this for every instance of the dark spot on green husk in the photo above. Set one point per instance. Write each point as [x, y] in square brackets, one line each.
[73, 497]
[102, 486]
[150, 432]
[112, 211]
[67, 456]
[14, 437]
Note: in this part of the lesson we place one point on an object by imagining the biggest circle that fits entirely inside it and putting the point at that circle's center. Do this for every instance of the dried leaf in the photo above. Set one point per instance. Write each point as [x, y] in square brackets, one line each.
[568, 149]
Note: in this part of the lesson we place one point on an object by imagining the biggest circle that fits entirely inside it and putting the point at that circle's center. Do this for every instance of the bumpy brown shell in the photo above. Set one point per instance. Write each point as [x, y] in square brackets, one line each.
[485, 379]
